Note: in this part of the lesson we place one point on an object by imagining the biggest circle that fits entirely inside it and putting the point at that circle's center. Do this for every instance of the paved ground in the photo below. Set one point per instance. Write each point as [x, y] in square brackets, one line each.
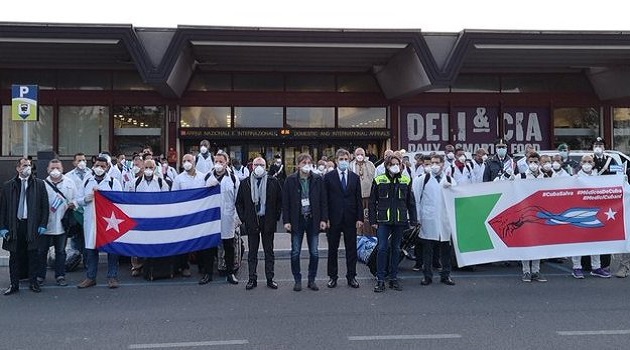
[487, 309]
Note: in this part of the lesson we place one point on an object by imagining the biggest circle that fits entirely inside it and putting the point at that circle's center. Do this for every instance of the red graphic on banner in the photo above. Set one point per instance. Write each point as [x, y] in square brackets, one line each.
[113, 225]
[563, 216]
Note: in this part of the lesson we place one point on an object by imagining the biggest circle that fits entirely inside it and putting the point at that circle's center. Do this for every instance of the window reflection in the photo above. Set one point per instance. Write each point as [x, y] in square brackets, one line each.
[306, 117]
[39, 133]
[576, 126]
[258, 117]
[205, 117]
[90, 122]
[359, 117]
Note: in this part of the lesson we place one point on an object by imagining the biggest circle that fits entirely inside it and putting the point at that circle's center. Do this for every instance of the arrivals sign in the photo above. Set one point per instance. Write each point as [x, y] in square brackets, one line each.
[24, 102]
[538, 219]
[426, 129]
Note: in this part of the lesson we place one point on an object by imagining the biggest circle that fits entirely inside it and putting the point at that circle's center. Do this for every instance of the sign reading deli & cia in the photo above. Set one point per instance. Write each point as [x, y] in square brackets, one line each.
[426, 129]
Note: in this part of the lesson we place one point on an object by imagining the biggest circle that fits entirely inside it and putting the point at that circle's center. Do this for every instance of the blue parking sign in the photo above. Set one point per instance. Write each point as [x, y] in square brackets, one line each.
[24, 102]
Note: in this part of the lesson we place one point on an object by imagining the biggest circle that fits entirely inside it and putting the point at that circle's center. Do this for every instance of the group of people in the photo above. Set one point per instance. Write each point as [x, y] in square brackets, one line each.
[342, 197]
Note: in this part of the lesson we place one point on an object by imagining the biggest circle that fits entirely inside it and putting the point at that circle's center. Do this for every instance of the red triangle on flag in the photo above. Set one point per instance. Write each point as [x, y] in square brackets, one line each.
[111, 222]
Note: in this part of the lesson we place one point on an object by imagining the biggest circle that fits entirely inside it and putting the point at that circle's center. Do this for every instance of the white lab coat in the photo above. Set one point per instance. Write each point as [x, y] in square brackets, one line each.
[560, 173]
[464, 176]
[78, 181]
[242, 174]
[69, 190]
[431, 208]
[184, 181]
[205, 165]
[478, 170]
[89, 214]
[150, 186]
[229, 189]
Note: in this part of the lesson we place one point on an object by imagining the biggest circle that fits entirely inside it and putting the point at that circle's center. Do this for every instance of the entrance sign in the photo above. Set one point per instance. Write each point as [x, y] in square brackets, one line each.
[538, 219]
[24, 102]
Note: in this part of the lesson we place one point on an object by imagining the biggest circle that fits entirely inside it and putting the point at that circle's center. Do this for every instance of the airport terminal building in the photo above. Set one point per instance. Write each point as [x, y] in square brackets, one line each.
[274, 91]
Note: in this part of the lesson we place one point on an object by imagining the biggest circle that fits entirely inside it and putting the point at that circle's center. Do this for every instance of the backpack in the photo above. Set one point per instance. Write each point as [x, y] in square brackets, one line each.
[139, 180]
[111, 183]
[229, 172]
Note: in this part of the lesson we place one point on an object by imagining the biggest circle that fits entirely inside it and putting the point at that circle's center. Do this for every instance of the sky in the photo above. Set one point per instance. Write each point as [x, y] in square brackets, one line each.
[428, 16]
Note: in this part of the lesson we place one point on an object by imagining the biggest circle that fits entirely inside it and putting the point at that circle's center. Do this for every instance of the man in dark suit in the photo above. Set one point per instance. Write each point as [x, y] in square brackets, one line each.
[304, 211]
[258, 205]
[345, 214]
[23, 218]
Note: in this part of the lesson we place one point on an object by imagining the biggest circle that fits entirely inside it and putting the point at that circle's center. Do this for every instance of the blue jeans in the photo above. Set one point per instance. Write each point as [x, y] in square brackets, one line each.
[92, 264]
[383, 233]
[59, 242]
[312, 240]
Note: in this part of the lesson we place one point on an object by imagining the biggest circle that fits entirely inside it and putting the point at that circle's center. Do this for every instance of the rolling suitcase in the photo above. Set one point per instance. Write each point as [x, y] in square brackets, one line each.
[159, 268]
[239, 249]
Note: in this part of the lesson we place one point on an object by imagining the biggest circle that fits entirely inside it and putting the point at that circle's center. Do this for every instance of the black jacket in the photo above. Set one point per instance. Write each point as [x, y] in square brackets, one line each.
[494, 168]
[275, 171]
[600, 164]
[292, 200]
[246, 209]
[392, 201]
[37, 211]
[344, 208]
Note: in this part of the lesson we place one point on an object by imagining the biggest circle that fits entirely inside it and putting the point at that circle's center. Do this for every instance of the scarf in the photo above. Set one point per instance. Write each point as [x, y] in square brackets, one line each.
[259, 193]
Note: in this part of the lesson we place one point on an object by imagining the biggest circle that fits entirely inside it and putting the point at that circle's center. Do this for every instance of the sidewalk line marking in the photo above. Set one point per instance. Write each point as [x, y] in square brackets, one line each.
[403, 337]
[188, 344]
[602, 332]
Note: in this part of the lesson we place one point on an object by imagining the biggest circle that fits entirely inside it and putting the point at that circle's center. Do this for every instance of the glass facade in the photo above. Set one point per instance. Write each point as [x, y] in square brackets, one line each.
[258, 117]
[576, 126]
[621, 129]
[310, 117]
[354, 117]
[138, 126]
[40, 133]
[205, 117]
[91, 122]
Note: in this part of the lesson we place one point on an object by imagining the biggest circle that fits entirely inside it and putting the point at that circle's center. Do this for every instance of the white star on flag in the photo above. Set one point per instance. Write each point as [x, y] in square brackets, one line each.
[610, 214]
[113, 222]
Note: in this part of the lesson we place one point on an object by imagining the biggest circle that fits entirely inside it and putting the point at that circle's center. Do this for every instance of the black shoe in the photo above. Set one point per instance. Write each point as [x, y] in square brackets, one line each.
[447, 281]
[231, 279]
[272, 284]
[205, 279]
[251, 284]
[297, 286]
[380, 287]
[312, 285]
[11, 290]
[35, 287]
[352, 282]
[395, 285]
[332, 283]
[425, 281]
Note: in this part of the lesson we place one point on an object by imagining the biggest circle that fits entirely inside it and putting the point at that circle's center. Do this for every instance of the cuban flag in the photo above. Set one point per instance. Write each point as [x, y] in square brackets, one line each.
[156, 224]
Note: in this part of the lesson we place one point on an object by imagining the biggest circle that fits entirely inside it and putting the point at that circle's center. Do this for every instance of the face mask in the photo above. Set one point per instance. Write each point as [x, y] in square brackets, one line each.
[203, 149]
[307, 168]
[450, 155]
[435, 169]
[343, 165]
[533, 167]
[484, 157]
[148, 172]
[278, 161]
[546, 166]
[556, 166]
[598, 151]
[564, 154]
[55, 173]
[462, 159]
[135, 170]
[187, 166]
[99, 171]
[259, 171]
[427, 169]
[219, 167]
[501, 152]
[321, 168]
[26, 172]
[360, 158]
[81, 165]
[394, 169]
[165, 165]
[587, 167]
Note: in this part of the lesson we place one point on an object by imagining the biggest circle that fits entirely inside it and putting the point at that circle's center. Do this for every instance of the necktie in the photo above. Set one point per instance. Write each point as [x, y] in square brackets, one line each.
[344, 185]
[22, 204]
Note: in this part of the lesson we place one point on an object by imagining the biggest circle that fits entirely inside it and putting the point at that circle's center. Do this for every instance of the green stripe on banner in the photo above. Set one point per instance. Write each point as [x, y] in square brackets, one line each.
[471, 214]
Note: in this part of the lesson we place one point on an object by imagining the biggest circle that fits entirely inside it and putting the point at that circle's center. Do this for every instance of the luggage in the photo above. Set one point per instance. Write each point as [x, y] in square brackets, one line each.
[73, 258]
[239, 249]
[159, 268]
[365, 246]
